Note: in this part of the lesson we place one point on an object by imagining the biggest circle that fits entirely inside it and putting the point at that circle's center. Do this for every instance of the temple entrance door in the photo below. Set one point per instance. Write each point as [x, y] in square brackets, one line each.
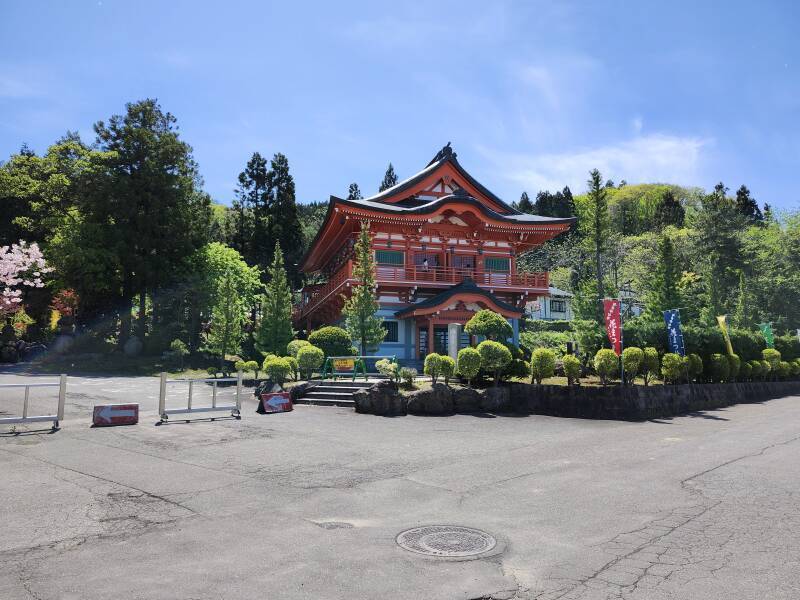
[440, 341]
[423, 342]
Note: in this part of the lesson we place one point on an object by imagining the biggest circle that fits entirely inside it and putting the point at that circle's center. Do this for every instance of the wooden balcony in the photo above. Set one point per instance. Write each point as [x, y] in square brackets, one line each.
[420, 276]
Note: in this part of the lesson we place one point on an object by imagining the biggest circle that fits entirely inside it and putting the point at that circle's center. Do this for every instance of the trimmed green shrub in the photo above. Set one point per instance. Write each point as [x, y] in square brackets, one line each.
[309, 359]
[178, 350]
[447, 367]
[333, 341]
[650, 364]
[745, 371]
[494, 357]
[766, 369]
[606, 363]
[572, 368]
[294, 366]
[277, 369]
[756, 370]
[788, 346]
[556, 326]
[388, 368]
[295, 345]
[720, 367]
[795, 367]
[239, 365]
[433, 366]
[773, 357]
[543, 364]
[553, 340]
[784, 369]
[212, 371]
[632, 359]
[489, 324]
[408, 374]
[672, 367]
[734, 364]
[469, 363]
[695, 366]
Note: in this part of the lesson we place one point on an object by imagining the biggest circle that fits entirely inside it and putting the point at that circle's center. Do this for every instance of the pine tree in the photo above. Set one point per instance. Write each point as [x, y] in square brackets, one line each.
[284, 222]
[768, 216]
[227, 321]
[664, 294]
[597, 223]
[360, 308]
[669, 211]
[525, 205]
[251, 218]
[389, 178]
[275, 327]
[353, 193]
[747, 206]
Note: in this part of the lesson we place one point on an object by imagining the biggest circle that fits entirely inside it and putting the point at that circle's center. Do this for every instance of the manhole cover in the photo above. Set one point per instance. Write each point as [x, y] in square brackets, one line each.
[446, 540]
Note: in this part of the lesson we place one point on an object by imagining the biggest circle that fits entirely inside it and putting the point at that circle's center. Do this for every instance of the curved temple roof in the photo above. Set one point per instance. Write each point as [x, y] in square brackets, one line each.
[466, 287]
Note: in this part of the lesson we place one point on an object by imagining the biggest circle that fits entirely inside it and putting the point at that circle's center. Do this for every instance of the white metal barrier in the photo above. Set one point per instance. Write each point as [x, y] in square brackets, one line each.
[235, 408]
[56, 418]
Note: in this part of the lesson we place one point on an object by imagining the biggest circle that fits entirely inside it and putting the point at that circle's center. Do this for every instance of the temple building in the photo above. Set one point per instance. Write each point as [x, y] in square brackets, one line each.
[445, 247]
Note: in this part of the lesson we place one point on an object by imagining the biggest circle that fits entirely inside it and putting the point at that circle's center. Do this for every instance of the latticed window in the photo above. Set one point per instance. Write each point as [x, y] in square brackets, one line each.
[391, 328]
[558, 306]
[389, 257]
[497, 264]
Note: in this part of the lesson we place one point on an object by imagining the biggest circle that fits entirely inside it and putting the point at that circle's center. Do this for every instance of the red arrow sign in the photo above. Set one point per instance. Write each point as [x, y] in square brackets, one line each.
[116, 414]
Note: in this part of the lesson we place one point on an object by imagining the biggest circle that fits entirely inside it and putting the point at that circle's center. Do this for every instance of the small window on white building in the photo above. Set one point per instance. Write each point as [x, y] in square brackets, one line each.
[558, 306]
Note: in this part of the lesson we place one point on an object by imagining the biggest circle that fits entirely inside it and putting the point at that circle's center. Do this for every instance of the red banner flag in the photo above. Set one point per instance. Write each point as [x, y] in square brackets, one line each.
[613, 324]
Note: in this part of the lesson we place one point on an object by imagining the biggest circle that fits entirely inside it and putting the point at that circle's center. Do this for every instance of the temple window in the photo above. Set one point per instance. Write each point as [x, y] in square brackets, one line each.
[392, 333]
[498, 265]
[389, 257]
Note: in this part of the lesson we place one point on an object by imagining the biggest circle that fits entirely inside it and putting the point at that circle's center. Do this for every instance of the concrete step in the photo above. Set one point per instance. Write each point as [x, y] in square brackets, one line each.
[359, 383]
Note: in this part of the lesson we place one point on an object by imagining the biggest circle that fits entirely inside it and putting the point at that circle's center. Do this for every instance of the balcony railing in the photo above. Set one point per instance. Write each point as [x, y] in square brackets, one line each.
[418, 275]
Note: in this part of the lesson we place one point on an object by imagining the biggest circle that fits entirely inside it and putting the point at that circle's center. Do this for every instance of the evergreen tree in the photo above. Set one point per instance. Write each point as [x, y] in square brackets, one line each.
[353, 193]
[747, 206]
[275, 329]
[359, 309]
[525, 205]
[284, 223]
[768, 216]
[669, 211]
[743, 316]
[250, 216]
[664, 292]
[389, 178]
[597, 225]
[227, 321]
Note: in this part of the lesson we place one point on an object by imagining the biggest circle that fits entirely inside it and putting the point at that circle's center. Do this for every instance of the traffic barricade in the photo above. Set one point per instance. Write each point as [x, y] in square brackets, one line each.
[26, 418]
[235, 408]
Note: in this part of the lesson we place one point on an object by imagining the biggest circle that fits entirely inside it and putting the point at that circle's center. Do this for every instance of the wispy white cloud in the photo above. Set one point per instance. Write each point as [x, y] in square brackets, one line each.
[650, 158]
[15, 87]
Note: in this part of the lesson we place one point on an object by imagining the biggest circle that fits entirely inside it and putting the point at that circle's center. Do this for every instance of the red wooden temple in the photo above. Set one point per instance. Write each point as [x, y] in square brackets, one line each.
[445, 247]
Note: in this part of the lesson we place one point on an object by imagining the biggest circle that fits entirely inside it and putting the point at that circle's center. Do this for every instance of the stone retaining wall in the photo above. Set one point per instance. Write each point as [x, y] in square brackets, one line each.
[629, 403]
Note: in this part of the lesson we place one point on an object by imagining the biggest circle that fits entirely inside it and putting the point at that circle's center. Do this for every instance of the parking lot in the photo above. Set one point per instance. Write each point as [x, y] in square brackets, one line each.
[309, 504]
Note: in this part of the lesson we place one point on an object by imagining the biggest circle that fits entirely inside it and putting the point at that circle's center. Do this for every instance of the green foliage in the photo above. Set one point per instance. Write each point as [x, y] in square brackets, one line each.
[433, 366]
[333, 341]
[606, 364]
[489, 324]
[494, 357]
[469, 363]
[734, 365]
[651, 365]
[766, 369]
[673, 368]
[309, 360]
[253, 367]
[695, 365]
[591, 335]
[784, 369]
[795, 367]
[447, 367]
[359, 309]
[294, 366]
[773, 357]
[720, 367]
[275, 328]
[212, 371]
[293, 347]
[556, 341]
[572, 368]
[388, 368]
[389, 178]
[745, 371]
[756, 370]
[788, 346]
[178, 350]
[595, 224]
[277, 369]
[538, 325]
[239, 365]
[227, 320]
[632, 359]
[407, 375]
[664, 291]
[543, 364]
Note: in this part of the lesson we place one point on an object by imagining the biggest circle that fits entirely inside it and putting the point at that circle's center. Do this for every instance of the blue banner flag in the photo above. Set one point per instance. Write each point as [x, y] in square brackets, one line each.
[673, 320]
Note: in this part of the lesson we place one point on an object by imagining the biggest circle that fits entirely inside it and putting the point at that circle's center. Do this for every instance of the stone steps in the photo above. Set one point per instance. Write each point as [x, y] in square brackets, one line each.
[333, 393]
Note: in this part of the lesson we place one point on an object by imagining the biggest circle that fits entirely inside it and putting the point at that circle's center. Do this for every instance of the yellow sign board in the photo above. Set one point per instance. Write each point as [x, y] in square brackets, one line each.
[343, 364]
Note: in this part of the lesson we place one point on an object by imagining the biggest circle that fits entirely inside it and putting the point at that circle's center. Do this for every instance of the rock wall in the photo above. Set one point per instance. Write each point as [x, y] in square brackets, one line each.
[630, 403]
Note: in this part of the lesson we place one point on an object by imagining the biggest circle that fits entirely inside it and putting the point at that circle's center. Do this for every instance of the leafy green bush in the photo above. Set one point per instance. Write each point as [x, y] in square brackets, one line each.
[239, 365]
[277, 369]
[756, 370]
[537, 325]
[784, 369]
[773, 357]
[734, 364]
[766, 369]
[433, 366]
[295, 345]
[469, 363]
[572, 368]
[447, 367]
[788, 346]
[388, 368]
[553, 340]
[590, 335]
[494, 357]
[309, 359]
[543, 364]
[632, 359]
[293, 364]
[333, 341]
[672, 367]
[408, 374]
[720, 367]
[796, 367]
[745, 371]
[651, 365]
[606, 363]
[695, 366]
[212, 371]
[488, 323]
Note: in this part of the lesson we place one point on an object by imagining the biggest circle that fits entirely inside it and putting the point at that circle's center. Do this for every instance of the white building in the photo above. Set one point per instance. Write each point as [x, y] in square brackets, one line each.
[557, 306]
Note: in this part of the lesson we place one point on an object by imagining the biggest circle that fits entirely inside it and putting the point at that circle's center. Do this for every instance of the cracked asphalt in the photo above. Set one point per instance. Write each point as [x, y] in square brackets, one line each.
[308, 504]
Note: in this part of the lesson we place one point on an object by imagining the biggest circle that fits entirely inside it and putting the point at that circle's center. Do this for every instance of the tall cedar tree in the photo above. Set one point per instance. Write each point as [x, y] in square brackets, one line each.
[561, 204]
[664, 293]
[227, 321]
[359, 309]
[275, 329]
[598, 225]
[249, 235]
[353, 193]
[669, 211]
[747, 206]
[160, 216]
[743, 317]
[389, 178]
[284, 223]
[525, 205]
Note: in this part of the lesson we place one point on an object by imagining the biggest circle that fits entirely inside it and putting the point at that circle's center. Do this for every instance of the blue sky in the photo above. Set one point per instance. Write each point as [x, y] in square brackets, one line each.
[531, 94]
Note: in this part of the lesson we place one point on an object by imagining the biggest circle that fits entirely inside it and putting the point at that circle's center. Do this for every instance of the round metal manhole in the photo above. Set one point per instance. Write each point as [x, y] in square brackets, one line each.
[446, 540]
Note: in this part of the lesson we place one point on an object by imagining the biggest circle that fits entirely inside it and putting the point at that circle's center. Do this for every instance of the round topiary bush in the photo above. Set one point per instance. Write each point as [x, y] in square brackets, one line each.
[632, 359]
[388, 368]
[773, 357]
[488, 323]
[433, 366]
[309, 359]
[494, 357]
[295, 345]
[650, 366]
[240, 365]
[796, 367]
[333, 341]
[407, 375]
[543, 364]
[784, 369]
[695, 365]
[734, 364]
[756, 370]
[720, 367]
[277, 369]
[745, 371]
[572, 368]
[294, 366]
[606, 364]
[469, 363]
[447, 367]
[673, 367]
[766, 369]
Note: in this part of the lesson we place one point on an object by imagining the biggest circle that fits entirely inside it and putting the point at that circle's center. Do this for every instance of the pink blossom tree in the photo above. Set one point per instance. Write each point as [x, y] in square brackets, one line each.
[21, 265]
